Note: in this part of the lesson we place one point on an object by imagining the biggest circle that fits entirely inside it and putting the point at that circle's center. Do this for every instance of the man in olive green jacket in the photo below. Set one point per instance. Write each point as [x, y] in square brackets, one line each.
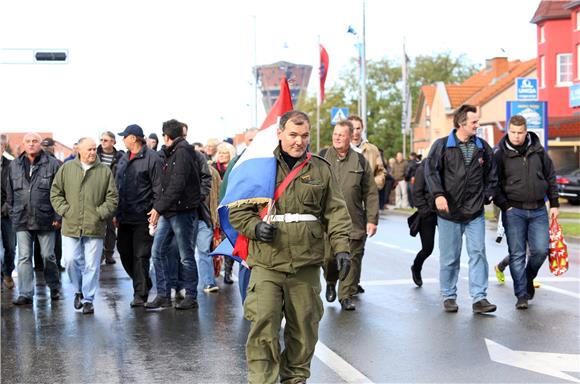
[84, 194]
[286, 256]
[356, 179]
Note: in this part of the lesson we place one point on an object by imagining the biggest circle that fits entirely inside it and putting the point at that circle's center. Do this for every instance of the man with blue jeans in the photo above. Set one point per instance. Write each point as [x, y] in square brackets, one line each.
[28, 202]
[175, 214]
[526, 177]
[85, 195]
[460, 174]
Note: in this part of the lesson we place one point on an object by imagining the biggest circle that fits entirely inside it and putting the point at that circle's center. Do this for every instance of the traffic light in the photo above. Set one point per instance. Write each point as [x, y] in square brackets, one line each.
[50, 56]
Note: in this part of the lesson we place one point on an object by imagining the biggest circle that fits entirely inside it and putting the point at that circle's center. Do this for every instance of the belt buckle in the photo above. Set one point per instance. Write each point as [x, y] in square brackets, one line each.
[291, 217]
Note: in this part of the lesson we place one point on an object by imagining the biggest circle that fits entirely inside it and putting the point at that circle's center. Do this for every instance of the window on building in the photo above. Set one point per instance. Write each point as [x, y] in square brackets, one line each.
[542, 34]
[578, 61]
[564, 69]
[542, 72]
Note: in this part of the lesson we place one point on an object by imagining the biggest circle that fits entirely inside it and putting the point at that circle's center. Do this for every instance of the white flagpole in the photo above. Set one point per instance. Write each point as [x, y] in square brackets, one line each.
[318, 100]
[364, 75]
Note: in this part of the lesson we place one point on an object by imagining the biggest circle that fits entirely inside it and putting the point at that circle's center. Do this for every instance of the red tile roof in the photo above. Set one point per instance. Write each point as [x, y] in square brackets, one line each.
[550, 10]
[519, 69]
[458, 94]
[429, 93]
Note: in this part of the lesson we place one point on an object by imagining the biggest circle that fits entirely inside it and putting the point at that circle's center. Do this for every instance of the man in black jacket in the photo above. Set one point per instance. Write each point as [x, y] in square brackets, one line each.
[28, 199]
[8, 235]
[526, 176]
[109, 155]
[175, 214]
[139, 182]
[461, 176]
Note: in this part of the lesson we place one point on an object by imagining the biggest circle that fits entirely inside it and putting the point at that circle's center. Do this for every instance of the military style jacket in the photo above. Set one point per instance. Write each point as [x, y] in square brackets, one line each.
[373, 156]
[313, 191]
[356, 180]
[85, 200]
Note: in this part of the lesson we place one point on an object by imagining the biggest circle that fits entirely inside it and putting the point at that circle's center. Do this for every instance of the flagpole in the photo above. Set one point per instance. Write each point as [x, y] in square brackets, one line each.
[255, 117]
[364, 74]
[318, 101]
[404, 104]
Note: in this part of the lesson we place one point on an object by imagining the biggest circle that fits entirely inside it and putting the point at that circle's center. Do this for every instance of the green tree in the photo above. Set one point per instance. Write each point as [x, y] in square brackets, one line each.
[384, 99]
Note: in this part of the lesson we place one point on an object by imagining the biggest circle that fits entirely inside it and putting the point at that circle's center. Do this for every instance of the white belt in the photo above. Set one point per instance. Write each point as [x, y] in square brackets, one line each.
[291, 218]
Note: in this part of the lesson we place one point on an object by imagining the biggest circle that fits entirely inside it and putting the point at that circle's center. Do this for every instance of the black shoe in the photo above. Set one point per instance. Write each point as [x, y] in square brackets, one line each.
[137, 302]
[228, 279]
[450, 305]
[78, 304]
[522, 303]
[54, 294]
[330, 292]
[359, 289]
[158, 302]
[483, 306]
[22, 300]
[347, 304]
[88, 308]
[416, 274]
[187, 303]
[530, 288]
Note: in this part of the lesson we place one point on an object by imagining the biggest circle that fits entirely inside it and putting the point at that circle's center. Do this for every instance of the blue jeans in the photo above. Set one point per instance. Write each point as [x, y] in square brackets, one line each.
[82, 257]
[183, 226]
[8, 246]
[24, 265]
[526, 226]
[450, 243]
[204, 238]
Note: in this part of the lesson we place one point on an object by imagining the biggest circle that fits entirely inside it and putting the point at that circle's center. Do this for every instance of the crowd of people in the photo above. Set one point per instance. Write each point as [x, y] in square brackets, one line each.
[158, 208]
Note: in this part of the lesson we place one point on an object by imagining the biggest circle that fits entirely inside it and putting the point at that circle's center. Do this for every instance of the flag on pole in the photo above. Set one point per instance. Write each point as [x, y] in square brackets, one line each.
[324, 63]
[253, 177]
[406, 115]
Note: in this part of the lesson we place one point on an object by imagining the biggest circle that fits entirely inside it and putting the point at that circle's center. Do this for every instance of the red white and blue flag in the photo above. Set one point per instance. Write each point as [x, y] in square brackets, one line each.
[253, 177]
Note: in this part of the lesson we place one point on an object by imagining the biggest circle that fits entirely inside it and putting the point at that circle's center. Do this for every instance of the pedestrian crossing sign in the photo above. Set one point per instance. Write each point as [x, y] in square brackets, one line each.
[338, 114]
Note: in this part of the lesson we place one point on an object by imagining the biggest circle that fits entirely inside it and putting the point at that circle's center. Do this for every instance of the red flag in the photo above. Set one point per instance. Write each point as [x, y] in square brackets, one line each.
[282, 105]
[324, 62]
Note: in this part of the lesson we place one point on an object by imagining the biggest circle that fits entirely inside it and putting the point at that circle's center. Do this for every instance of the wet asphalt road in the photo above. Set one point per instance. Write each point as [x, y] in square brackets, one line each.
[399, 333]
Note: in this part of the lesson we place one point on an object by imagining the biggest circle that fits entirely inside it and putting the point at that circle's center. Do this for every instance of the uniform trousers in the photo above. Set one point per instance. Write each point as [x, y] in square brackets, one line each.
[271, 297]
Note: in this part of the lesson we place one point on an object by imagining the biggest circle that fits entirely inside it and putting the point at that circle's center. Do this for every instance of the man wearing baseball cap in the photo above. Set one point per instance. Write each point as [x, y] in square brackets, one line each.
[138, 180]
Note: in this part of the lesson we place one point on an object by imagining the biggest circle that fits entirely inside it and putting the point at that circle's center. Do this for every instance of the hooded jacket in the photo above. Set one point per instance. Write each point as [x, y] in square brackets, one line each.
[524, 179]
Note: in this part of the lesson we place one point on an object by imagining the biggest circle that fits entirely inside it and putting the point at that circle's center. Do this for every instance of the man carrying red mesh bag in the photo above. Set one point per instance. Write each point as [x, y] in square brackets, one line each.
[526, 178]
[558, 257]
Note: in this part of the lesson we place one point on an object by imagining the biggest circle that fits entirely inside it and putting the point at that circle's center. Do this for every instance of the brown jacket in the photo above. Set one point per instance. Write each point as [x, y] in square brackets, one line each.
[373, 156]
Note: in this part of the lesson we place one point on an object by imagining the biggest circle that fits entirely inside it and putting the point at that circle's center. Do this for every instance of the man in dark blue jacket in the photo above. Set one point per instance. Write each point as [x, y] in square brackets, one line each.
[526, 177]
[175, 214]
[28, 199]
[461, 176]
[139, 182]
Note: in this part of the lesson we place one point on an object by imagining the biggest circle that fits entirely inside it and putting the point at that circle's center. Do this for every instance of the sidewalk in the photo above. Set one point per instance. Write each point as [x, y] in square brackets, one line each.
[490, 224]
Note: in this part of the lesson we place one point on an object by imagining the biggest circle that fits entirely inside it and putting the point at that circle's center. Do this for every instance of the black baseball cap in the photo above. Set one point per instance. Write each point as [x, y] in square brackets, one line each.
[132, 129]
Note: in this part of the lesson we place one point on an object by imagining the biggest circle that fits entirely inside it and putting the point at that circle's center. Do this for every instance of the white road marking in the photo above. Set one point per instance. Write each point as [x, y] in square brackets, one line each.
[558, 290]
[346, 371]
[551, 364]
[333, 361]
[371, 283]
[385, 244]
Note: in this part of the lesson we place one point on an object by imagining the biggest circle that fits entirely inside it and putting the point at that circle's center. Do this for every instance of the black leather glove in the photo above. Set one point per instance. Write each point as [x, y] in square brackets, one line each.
[265, 232]
[343, 262]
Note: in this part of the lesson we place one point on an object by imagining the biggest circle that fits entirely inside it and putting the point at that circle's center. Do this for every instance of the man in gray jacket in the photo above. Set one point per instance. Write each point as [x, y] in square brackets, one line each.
[84, 194]
[28, 200]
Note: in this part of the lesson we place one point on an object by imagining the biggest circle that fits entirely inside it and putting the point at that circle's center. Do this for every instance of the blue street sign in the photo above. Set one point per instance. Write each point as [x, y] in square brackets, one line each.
[575, 95]
[338, 114]
[526, 89]
[535, 113]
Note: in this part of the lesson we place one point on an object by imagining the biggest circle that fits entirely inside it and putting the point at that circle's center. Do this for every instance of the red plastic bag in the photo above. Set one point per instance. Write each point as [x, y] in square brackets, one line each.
[558, 256]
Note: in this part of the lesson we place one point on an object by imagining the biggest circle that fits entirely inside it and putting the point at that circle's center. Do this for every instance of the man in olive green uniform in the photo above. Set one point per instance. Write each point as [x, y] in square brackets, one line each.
[286, 256]
[356, 179]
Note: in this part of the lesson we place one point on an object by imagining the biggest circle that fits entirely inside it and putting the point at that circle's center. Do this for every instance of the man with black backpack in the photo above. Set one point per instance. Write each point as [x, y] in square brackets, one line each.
[526, 176]
[357, 182]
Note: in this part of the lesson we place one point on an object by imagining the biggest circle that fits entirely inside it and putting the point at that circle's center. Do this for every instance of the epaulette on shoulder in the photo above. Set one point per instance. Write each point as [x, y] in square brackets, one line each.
[321, 158]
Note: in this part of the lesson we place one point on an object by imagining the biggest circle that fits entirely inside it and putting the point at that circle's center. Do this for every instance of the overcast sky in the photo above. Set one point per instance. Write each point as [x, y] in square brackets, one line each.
[148, 61]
